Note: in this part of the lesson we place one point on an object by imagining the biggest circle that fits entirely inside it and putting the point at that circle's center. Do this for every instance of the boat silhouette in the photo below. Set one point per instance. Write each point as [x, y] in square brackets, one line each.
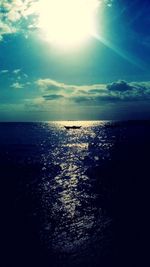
[72, 127]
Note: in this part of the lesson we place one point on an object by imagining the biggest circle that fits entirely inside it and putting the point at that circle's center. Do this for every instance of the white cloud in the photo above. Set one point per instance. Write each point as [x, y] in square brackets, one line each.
[13, 12]
[4, 71]
[49, 84]
[16, 71]
[6, 28]
[20, 75]
[17, 85]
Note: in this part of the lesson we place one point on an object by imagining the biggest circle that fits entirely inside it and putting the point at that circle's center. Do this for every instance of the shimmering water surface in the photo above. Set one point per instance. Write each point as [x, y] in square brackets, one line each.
[63, 189]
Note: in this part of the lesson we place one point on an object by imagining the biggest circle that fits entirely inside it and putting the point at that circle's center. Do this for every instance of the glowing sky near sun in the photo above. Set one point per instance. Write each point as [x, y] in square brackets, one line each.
[74, 59]
[67, 22]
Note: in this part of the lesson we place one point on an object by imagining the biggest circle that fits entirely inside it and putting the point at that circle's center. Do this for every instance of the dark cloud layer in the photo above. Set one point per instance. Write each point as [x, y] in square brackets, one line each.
[119, 86]
[52, 97]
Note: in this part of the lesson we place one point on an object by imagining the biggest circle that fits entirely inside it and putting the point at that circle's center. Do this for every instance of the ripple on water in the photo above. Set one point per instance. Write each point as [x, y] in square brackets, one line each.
[72, 221]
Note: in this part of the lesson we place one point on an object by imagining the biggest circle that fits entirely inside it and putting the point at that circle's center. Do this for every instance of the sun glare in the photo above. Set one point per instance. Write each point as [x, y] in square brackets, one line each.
[67, 22]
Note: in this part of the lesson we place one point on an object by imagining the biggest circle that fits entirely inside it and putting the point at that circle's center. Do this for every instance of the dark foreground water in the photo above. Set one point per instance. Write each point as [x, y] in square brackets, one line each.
[74, 198]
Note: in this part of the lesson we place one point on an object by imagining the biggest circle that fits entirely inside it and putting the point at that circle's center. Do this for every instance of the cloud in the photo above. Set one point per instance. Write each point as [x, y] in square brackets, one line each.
[16, 71]
[108, 101]
[119, 86]
[4, 71]
[52, 97]
[17, 85]
[134, 91]
[13, 13]
[95, 100]
[19, 77]
[108, 2]
[6, 28]
[47, 85]
[119, 95]
[96, 93]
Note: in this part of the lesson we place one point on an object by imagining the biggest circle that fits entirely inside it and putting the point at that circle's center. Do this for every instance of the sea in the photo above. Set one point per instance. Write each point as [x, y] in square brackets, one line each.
[74, 197]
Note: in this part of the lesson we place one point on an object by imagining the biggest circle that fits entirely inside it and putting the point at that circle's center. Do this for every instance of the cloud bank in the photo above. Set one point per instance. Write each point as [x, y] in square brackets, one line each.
[45, 99]
[120, 91]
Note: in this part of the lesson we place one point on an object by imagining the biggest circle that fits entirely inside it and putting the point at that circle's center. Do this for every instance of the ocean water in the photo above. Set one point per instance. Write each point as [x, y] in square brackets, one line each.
[74, 197]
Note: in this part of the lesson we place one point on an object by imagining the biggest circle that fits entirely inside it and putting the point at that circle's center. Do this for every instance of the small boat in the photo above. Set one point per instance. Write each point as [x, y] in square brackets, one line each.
[72, 127]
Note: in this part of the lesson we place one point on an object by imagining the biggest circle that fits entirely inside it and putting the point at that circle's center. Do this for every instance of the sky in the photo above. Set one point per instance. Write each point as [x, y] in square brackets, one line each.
[61, 62]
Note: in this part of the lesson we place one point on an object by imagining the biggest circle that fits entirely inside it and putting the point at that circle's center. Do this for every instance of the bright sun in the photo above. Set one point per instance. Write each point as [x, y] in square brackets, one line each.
[67, 22]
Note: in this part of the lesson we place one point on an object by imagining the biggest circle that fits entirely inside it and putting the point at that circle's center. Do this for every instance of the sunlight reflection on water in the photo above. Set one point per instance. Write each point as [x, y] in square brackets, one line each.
[73, 222]
[68, 194]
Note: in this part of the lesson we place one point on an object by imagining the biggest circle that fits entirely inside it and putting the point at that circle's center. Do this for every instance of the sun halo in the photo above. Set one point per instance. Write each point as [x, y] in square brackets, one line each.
[67, 23]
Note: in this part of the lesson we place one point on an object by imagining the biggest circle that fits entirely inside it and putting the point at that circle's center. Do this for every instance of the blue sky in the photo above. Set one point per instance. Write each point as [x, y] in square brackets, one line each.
[107, 77]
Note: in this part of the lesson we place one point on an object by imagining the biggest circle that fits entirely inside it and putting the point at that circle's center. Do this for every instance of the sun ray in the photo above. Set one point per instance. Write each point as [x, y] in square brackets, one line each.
[119, 51]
